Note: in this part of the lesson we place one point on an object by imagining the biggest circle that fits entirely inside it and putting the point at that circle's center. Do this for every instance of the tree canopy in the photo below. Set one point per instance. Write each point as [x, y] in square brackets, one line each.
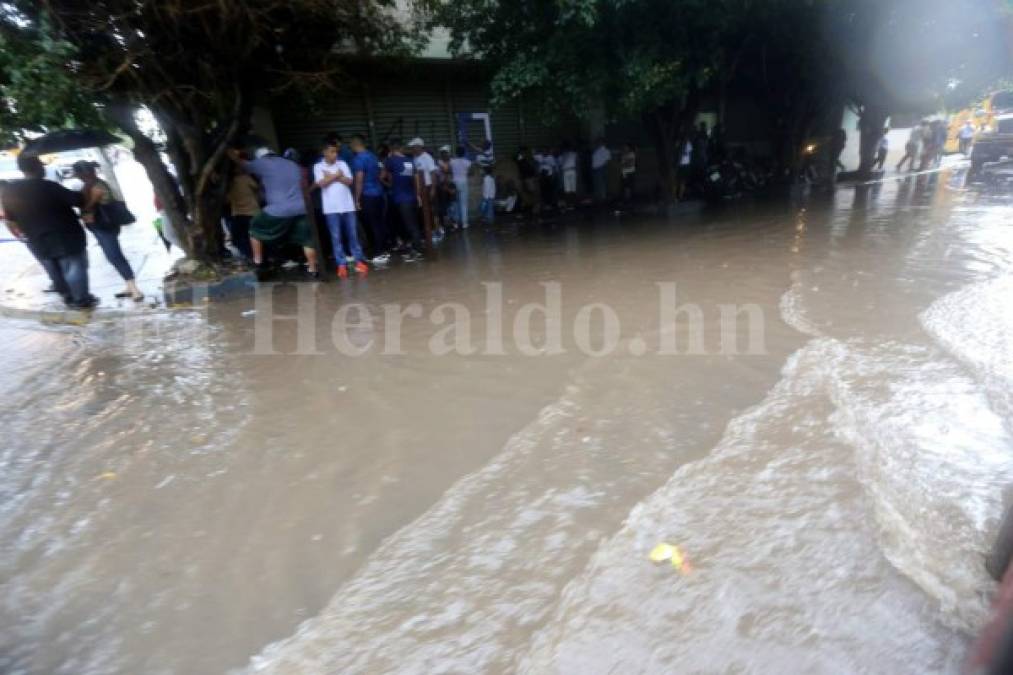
[197, 66]
[651, 58]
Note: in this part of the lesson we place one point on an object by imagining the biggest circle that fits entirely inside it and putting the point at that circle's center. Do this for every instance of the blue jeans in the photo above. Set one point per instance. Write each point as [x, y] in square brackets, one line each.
[109, 239]
[344, 230]
[69, 275]
[488, 210]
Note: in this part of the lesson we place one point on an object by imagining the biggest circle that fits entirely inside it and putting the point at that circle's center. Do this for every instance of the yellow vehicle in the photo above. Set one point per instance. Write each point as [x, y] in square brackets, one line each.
[983, 117]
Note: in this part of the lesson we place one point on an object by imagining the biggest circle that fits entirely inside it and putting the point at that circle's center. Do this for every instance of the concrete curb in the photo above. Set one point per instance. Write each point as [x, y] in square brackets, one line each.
[78, 317]
[178, 296]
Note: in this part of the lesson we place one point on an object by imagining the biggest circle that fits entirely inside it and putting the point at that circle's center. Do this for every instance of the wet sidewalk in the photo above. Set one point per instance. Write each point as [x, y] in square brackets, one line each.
[23, 282]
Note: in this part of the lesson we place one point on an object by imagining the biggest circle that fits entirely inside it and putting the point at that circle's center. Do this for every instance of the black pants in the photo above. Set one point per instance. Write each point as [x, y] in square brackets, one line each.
[239, 231]
[880, 160]
[409, 220]
[376, 225]
[629, 179]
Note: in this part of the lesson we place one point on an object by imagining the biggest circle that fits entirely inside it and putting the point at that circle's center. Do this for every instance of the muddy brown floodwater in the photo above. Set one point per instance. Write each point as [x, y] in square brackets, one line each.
[172, 502]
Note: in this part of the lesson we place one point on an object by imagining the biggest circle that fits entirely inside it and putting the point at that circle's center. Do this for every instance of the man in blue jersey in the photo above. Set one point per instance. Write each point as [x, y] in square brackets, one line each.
[368, 192]
[406, 188]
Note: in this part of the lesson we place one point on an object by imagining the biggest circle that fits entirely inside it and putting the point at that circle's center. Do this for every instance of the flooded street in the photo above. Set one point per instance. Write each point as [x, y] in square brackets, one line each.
[175, 500]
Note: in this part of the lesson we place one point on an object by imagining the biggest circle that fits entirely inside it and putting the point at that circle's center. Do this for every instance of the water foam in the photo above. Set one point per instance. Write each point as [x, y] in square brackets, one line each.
[859, 472]
[975, 325]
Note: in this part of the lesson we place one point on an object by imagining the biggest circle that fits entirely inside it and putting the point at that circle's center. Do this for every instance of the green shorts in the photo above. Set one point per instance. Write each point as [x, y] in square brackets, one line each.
[274, 230]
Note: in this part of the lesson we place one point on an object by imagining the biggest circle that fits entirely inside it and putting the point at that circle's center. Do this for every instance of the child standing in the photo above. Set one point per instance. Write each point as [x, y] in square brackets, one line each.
[488, 207]
[334, 178]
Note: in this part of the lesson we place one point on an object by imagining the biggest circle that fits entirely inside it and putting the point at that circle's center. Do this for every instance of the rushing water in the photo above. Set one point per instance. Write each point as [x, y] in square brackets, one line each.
[171, 502]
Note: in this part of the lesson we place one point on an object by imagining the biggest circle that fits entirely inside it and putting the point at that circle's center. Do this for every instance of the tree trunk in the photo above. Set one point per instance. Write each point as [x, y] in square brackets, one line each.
[871, 125]
[209, 175]
[661, 135]
[165, 186]
[195, 199]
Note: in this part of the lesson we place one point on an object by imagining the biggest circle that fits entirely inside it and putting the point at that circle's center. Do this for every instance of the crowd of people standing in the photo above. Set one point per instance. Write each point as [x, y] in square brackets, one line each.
[401, 198]
[395, 201]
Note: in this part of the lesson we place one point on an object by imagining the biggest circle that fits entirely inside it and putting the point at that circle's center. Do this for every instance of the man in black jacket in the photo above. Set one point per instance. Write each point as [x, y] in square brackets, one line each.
[41, 213]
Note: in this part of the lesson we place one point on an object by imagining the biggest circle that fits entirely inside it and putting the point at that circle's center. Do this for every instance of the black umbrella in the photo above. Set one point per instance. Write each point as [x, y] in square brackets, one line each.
[66, 140]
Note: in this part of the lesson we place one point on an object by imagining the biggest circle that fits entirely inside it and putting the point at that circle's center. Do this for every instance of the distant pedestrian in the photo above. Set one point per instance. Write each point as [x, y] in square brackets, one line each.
[446, 191]
[628, 170]
[41, 213]
[940, 133]
[99, 200]
[528, 171]
[911, 148]
[600, 159]
[243, 198]
[684, 174]
[460, 169]
[425, 165]
[406, 190]
[283, 218]
[699, 160]
[717, 150]
[548, 167]
[368, 191]
[484, 155]
[838, 141]
[928, 137]
[965, 136]
[568, 165]
[488, 207]
[333, 177]
[882, 150]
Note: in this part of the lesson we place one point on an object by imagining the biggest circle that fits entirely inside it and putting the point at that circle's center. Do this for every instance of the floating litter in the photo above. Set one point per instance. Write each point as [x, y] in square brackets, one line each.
[249, 312]
[108, 475]
[665, 552]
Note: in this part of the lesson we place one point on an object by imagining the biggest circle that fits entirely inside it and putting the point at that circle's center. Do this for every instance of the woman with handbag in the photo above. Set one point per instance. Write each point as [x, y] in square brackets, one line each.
[104, 212]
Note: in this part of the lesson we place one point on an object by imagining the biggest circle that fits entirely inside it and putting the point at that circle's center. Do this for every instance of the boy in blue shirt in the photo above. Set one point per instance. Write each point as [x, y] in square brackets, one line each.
[399, 173]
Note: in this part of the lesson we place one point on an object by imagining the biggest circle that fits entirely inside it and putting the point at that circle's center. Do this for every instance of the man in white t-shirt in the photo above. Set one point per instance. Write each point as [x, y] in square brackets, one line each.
[568, 165]
[600, 159]
[488, 206]
[334, 178]
[460, 166]
[547, 168]
[425, 165]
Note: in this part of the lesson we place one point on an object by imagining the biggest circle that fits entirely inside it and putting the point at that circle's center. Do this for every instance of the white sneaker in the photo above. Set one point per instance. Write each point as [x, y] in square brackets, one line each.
[381, 259]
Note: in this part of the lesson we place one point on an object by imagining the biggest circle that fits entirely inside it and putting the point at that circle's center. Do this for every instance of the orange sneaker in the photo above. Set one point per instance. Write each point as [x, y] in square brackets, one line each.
[361, 268]
[342, 271]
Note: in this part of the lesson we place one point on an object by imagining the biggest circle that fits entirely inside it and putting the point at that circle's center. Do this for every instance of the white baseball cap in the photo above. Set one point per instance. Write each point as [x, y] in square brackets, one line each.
[416, 143]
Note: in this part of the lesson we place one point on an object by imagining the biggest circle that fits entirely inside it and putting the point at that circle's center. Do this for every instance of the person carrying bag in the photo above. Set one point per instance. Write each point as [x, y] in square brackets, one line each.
[104, 213]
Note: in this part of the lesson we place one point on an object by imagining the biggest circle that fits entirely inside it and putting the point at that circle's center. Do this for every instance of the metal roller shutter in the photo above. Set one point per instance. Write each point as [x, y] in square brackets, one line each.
[506, 129]
[410, 109]
[304, 128]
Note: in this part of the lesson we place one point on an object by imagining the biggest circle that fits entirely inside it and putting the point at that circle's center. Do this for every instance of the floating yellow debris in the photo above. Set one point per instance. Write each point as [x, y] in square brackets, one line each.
[108, 475]
[662, 552]
[665, 552]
